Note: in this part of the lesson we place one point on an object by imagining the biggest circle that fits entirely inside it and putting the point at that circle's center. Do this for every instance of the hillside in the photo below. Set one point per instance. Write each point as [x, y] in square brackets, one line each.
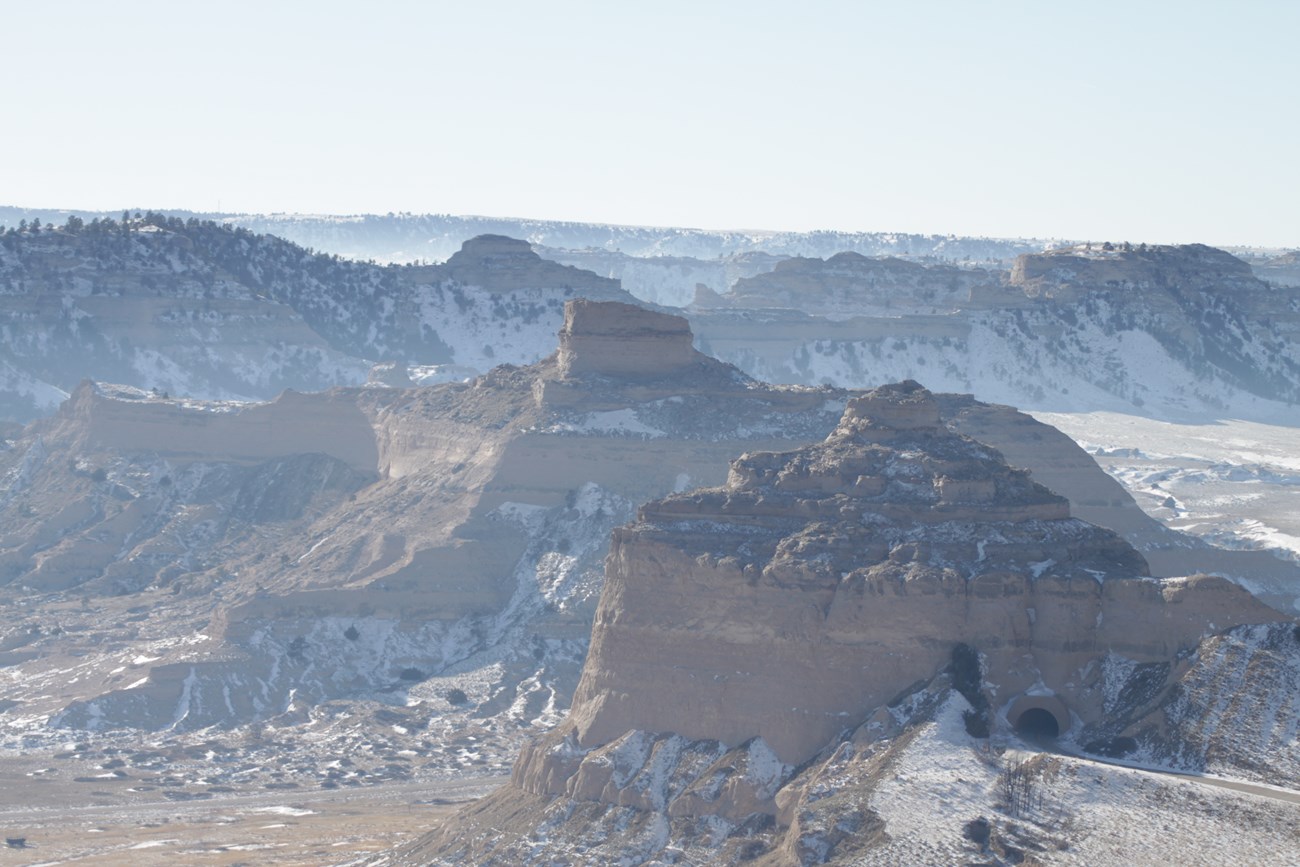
[832, 658]
[403, 238]
[1170, 332]
[203, 310]
[367, 547]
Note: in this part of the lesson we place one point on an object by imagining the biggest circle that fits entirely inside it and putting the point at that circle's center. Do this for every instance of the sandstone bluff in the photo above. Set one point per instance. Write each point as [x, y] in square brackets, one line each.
[748, 634]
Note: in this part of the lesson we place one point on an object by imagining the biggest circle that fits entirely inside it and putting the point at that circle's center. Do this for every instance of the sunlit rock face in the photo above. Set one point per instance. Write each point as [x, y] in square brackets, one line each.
[429, 524]
[623, 340]
[763, 651]
[817, 585]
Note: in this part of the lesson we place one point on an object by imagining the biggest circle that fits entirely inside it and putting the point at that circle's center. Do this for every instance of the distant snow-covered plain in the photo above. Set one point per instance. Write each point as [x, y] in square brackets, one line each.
[1234, 483]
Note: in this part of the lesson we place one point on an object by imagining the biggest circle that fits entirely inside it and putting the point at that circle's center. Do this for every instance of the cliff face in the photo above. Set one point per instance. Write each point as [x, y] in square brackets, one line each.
[1072, 271]
[766, 651]
[817, 584]
[763, 645]
[622, 340]
[326, 543]
[1167, 331]
[850, 284]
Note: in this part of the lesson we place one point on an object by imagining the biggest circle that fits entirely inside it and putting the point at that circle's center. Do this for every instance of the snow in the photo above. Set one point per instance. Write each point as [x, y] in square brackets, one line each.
[1090, 814]
[1234, 483]
[939, 783]
[285, 810]
[615, 421]
[153, 844]
[763, 769]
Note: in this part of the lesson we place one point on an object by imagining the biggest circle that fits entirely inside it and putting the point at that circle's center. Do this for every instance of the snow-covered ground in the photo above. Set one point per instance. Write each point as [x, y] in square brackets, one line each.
[1234, 483]
[943, 794]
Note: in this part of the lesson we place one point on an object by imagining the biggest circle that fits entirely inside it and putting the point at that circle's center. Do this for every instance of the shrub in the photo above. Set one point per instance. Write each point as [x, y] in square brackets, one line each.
[411, 674]
[1018, 788]
[967, 677]
[456, 695]
[978, 832]
[351, 633]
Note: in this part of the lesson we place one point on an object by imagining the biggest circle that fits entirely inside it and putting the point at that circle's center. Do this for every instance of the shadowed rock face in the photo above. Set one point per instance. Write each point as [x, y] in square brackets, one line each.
[501, 264]
[851, 283]
[1066, 273]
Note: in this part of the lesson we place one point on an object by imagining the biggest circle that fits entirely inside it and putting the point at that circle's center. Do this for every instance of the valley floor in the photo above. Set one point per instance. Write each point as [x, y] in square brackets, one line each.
[66, 821]
[1234, 483]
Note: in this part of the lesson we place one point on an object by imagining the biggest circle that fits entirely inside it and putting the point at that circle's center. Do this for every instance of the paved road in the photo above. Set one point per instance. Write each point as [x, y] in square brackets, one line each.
[1275, 793]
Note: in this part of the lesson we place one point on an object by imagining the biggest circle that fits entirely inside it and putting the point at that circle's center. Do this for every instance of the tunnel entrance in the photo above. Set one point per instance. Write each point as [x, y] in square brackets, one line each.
[1038, 723]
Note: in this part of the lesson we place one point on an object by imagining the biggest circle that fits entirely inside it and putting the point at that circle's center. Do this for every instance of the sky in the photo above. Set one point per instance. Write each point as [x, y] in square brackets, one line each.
[1141, 121]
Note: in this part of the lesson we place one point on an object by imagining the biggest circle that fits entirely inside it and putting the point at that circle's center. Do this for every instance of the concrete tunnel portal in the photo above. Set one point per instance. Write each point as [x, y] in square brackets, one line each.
[1039, 716]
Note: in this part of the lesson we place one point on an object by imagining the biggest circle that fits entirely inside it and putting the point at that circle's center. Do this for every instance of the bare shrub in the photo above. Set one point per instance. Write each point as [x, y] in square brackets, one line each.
[1018, 788]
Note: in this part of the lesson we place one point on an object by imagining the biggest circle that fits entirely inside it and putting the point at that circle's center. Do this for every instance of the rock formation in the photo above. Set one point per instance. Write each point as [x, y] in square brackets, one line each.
[204, 311]
[850, 284]
[1057, 462]
[500, 264]
[850, 568]
[624, 341]
[431, 524]
[823, 593]
[1167, 331]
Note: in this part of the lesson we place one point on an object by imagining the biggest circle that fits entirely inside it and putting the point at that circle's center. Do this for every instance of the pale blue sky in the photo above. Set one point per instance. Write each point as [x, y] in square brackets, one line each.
[1157, 121]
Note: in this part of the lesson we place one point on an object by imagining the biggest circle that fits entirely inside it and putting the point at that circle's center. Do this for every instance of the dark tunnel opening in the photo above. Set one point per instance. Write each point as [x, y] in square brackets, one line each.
[1038, 723]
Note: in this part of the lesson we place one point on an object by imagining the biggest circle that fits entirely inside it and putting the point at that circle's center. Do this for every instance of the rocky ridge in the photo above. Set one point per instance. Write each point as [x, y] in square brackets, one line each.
[850, 284]
[438, 524]
[763, 645]
[403, 238]
[204, 311]
[1165, 331]
[385, 544]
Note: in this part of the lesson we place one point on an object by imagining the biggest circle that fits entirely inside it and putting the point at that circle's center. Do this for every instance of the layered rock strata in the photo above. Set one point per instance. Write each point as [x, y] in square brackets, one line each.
[623, 340]
[327, 543]
[766, 617]
[1168, 331]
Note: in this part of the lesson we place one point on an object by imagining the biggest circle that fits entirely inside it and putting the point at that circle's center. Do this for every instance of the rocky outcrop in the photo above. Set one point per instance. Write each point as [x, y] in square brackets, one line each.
[624, 341]
[129, 420]
[432, 524]
[1067, 272]
[850, 569]
[500, 264]
[1171, 332]
[850, 284]
[812, 605]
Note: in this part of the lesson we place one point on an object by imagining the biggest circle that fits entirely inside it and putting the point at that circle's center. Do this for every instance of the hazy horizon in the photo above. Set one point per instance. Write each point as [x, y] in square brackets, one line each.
[1161, 123]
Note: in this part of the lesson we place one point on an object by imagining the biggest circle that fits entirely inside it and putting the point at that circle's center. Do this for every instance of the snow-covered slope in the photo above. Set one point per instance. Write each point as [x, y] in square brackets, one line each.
[1179, 332]
[208, 311]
